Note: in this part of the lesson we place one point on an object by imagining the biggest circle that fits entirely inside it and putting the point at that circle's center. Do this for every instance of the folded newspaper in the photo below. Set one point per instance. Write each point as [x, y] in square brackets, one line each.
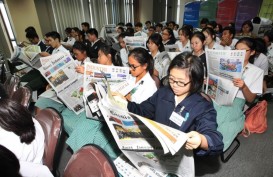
[59, 70]
[28, 55]
[223, 66]
[154, 149]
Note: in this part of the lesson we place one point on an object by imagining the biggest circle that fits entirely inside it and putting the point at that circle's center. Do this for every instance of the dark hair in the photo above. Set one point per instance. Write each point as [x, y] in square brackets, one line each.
[148, 22]
[204, 21]
[143, 57]
[17, 119]
[3, 92]
[232, 24]
[159, 25]
[199, 35]
[80, 46]
[157, 39]
[190, 27]
[256, 20]
[210, 31]
[249, 23]
[250, 42]
[213, 24]
[86, 24]
[30, 29]
[92, 31]
[172, 22]
[120, 24]
[152, 27]
[130, 31]
[76, 29]
[31, 35]
[186, 31]
[220, 28]
[269, 34]
[129, 25]
[68, 30]
[177, 26]
[260, 46]
[9, 164]
[121, 28]
[138, 24]
[231, 30]
[124, 34]
[106, 49]
[54, 35]
[186, 60]
[170, 31]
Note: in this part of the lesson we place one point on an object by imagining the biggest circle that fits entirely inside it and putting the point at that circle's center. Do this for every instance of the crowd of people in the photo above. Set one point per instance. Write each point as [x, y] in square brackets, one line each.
[164, 90]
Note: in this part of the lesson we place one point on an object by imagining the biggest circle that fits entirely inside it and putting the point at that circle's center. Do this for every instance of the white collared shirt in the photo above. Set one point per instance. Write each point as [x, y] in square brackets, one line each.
[216, 46]
[60, 49]
[185, 48]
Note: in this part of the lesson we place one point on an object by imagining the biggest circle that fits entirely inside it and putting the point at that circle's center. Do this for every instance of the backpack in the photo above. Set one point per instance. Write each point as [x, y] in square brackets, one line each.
[256, 121]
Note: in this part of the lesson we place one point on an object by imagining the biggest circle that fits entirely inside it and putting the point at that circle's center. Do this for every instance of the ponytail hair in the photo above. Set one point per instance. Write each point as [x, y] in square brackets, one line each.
[143, 57]
[17, 119]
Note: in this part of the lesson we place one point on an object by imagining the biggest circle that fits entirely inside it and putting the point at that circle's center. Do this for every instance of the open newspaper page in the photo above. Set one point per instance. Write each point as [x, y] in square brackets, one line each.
[59, 71]
[28, 55]
[171, 48]
[153, 148]
[95, 86]
[134, 42]
[223, 67]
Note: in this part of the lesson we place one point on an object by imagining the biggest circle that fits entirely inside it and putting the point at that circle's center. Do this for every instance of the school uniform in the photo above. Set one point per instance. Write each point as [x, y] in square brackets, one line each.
[42, 46]
[262, 62]
[198, 115]
[216, 46]
[186, 48]
[93, 48]
[32, 152]
[232, 45]
[140, 92]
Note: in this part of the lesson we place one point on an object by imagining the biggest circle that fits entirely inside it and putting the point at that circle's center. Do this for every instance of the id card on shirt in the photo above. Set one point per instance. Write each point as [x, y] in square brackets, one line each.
[177, 119]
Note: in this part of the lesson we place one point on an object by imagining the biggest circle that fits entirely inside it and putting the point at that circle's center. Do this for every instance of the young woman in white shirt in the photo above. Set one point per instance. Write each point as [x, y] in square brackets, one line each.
[197, 45]
[184, 42]
[80, 52]
[141, 68]
[156, 46]
[210, 42]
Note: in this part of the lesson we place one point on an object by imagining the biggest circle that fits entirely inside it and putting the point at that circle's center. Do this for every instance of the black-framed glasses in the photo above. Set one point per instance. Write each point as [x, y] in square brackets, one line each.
[133, 67]
[179, 83]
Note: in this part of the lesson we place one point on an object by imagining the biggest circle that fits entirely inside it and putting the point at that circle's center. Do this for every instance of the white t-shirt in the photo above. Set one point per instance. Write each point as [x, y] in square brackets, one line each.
[216, 46]
[262, 62]
[140, 33]
[185, 48]
[253, 77]
[124, 56]
[70, 41]
[143, 89]
[32, 152]
[232, 45]
[60, 49]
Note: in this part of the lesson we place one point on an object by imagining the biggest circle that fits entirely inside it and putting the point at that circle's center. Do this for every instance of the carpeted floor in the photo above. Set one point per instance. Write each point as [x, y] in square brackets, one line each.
[254, 158]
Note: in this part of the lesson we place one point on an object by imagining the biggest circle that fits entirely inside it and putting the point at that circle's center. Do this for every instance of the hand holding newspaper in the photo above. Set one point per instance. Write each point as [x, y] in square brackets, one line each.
[59, 70]
[28, 55]
[223, 66]
[153, 148]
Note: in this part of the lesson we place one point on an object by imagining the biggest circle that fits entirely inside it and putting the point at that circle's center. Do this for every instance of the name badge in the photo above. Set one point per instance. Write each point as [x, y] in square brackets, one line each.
[177, 119]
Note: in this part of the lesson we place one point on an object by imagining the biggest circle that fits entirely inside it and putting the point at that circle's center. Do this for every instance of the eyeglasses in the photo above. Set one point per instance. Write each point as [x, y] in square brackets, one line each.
[133, 67]
[179, 83]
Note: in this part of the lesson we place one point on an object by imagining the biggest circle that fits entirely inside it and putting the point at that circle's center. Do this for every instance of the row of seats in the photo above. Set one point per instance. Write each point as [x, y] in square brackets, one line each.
[90, 160]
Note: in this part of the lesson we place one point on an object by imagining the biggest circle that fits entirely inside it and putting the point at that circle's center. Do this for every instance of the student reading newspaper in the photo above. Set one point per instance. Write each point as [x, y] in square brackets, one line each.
[181, 106]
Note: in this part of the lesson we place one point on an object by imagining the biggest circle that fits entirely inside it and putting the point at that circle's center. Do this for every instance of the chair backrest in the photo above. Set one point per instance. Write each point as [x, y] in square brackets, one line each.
[207, 97]
[22, 95]
[52, 124]
[90, 160]
[12, 84]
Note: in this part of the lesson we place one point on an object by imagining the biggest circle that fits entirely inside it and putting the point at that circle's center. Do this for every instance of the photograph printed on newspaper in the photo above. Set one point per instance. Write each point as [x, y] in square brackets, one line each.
[223, 66]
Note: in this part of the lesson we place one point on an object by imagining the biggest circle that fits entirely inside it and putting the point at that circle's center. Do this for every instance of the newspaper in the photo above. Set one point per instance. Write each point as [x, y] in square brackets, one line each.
[171, 48]
[223, 67]
[59, 70]
[134, 42]
[28, 55]
[95, 87]
[152, 147]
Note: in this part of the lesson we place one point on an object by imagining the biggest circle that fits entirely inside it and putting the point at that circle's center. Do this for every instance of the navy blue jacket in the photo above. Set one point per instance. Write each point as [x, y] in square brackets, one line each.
[200, 113]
